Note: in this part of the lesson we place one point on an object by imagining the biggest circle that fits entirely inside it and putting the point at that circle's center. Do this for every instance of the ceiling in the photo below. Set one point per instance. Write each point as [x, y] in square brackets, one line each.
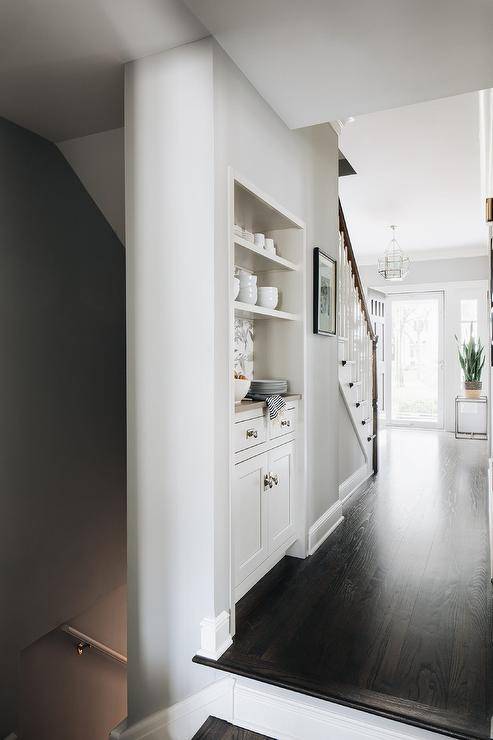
[319, 60]
[322, 60]
[417, 167]
[61, 72]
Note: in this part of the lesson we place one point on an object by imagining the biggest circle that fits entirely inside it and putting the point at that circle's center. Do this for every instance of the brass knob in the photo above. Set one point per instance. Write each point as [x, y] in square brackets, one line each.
[267, 481]
[275, 479]
[285, 423]
[251, 433]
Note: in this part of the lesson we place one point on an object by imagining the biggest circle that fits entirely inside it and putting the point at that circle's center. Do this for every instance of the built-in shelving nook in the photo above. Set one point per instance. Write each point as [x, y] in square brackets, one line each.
[267, 520]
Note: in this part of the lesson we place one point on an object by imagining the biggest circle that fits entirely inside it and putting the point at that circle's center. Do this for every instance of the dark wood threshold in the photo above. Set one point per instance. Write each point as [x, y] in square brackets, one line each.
[399, 710]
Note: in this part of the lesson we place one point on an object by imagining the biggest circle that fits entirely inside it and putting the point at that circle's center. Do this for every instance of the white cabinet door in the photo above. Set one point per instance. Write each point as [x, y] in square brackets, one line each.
[280, 498]
[249, 516]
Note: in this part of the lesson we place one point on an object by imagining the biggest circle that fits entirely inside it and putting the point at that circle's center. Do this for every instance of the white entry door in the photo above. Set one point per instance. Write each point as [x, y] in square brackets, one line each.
[415, 378]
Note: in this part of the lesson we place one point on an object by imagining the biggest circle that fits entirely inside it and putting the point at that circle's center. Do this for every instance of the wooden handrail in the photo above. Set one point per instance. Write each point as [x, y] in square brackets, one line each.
[354, 267]
[374, 339]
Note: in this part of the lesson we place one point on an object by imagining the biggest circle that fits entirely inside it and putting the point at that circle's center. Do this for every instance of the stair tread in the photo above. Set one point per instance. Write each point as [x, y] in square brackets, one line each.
[218, 729]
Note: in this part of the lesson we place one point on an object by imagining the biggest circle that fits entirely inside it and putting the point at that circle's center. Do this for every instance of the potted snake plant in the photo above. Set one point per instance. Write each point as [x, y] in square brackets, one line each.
[471, 358]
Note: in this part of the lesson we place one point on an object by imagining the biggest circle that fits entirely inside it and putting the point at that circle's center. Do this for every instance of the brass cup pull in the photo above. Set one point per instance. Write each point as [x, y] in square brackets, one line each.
[251, 433]
[285, 423]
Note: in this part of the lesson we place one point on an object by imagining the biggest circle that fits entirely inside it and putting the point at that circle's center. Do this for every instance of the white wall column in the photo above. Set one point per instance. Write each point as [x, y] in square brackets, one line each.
[170, 314]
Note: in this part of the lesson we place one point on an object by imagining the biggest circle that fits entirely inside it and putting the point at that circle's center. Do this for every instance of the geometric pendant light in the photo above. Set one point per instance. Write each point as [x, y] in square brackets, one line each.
[394, 265]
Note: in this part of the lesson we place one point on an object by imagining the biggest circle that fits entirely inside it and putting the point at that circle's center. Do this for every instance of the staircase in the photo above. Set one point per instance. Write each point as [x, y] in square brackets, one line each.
[357, 351]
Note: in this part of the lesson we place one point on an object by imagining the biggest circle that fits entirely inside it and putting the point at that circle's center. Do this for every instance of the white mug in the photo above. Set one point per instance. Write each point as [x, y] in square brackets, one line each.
[259, 240]
[270, 246]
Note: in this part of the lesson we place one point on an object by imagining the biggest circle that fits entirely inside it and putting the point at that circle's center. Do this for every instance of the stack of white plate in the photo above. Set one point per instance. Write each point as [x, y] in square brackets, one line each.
[261, 389]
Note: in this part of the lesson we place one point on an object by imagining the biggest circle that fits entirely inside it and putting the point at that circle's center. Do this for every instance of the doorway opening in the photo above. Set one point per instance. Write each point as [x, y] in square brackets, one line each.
[415, 376]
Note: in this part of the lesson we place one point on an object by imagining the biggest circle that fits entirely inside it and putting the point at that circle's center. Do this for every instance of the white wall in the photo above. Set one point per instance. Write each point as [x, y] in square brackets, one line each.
[98, 160]
[170, 323]
[189, 115]
[351, 456]
[299, 170]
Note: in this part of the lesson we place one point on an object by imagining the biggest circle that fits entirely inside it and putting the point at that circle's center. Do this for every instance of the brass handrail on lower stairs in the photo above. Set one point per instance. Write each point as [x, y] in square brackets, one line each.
[84, 642]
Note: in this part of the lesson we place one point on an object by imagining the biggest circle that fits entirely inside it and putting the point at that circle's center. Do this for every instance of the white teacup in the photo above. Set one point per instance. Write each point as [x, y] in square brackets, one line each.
[270, 246]
[259, 240]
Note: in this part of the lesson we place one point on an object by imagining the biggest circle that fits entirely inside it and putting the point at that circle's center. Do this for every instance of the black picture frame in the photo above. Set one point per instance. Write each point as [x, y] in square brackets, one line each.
[324, 294]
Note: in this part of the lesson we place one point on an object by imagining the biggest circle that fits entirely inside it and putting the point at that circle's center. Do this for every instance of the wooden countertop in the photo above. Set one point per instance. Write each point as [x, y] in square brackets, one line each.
[249, 405]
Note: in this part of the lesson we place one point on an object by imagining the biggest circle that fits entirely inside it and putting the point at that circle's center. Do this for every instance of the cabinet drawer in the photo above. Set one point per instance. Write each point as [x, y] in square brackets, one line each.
[284, 425]
[249, 433]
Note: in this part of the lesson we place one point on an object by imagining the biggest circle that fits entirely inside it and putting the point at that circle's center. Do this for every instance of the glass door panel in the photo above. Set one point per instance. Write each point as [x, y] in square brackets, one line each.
[416, 392]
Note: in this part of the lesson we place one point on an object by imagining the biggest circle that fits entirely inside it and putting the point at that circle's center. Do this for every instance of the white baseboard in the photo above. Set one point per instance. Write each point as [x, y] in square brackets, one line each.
[351, 484]
[270, 711]
[287, 715]
[215, 637]
[182, 720]
[324, 526]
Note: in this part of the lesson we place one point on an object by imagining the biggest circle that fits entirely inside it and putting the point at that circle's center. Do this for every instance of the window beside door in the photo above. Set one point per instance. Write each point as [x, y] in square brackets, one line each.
[468, 318]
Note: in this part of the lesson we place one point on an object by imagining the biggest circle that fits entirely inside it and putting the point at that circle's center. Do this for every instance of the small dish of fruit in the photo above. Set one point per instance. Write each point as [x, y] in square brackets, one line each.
[242, 386]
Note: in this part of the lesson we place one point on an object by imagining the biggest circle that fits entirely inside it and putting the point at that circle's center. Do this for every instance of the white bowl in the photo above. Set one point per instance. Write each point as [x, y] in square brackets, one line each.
[267, 301]
[267, 297]
[248, 295]
[247, 280]
[241, 389]
[236, 287]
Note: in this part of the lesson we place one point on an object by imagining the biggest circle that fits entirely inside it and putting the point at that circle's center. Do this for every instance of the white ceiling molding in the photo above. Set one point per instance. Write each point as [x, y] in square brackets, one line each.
[337, 126]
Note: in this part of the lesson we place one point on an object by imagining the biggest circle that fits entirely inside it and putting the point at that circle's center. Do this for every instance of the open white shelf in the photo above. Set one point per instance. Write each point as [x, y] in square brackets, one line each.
[250, 311]
[254, 258]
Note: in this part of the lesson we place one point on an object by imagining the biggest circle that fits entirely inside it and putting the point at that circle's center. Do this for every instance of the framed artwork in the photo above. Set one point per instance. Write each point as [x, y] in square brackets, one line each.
[324, 293]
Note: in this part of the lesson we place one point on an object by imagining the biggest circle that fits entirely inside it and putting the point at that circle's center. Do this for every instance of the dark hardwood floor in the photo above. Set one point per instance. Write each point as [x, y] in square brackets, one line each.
[393, 613]
[218, 729]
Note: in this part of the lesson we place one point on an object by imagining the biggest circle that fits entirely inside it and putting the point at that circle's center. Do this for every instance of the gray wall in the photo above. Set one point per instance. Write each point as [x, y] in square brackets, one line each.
[62, 386]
